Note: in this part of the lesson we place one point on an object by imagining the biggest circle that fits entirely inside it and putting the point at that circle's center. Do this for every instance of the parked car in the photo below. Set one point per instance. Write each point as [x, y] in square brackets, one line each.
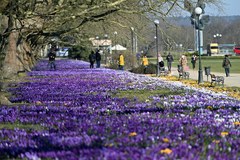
[236, 50]
[190, 51]
[62, 52]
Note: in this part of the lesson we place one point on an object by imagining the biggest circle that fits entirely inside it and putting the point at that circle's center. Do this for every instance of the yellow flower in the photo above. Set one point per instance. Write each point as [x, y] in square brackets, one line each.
[209, 107]
[132, 134]
[237, 123]
[166, 151]
[38, 102]
[165, 140]
[216, 141]
[65, 104]
[110, 145]
[223, 134]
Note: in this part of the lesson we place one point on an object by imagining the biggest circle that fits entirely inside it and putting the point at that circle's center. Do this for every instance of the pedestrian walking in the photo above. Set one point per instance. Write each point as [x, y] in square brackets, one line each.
[121, 62]
[193, 61]
[145, 63]
[169, 59]
[91, 58]
[51, 58]
[226, 65]
[98, 59]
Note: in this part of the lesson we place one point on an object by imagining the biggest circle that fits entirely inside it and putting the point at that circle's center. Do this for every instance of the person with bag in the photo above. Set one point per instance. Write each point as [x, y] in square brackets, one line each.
[226, 65]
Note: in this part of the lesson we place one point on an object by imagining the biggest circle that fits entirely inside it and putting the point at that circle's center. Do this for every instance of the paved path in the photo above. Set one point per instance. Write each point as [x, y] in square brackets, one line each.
[233, 80]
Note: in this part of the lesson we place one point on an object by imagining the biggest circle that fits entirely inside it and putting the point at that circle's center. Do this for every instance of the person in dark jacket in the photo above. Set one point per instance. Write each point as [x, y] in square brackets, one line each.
[91, 58]
[169, 59]
[226, 65]
[98, 59]
[51, 59]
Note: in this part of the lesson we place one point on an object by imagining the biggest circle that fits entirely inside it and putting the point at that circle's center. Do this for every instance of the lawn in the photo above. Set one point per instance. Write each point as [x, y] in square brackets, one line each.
[215, 64]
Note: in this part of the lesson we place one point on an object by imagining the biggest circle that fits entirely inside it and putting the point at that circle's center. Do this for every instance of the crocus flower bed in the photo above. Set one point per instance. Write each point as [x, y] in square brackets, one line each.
[81, 113]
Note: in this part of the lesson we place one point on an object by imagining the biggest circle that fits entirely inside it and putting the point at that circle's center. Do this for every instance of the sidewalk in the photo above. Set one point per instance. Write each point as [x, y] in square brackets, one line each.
[232, 81]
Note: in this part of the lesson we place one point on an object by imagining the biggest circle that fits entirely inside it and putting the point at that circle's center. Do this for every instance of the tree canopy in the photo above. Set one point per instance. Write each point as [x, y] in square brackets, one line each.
[28, 25]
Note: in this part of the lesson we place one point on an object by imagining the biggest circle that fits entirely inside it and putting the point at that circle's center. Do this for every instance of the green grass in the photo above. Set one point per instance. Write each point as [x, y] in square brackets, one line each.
[21, 126]
[215, 64]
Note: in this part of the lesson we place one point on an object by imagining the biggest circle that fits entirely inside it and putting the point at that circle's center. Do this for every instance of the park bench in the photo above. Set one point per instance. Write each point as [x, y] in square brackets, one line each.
[217, 79]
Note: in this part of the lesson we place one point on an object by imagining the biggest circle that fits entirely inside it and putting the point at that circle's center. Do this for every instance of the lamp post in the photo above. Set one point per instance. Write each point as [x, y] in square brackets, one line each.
[156, 22]
[198, 11]
[97, 38]
[195, 34]
[132, 30]
[105, 48]
[115, 42]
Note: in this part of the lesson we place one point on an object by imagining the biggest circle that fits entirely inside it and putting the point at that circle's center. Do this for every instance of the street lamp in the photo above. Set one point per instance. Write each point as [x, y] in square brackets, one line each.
[217, 36]
[198, 11]
[156, 22]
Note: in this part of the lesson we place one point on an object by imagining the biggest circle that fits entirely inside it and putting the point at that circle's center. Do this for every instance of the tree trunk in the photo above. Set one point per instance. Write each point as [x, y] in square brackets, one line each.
[16, 55]
[11, 64]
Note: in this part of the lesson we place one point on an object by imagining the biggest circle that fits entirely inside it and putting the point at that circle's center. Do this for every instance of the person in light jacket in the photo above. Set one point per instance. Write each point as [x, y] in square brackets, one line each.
[183, 62]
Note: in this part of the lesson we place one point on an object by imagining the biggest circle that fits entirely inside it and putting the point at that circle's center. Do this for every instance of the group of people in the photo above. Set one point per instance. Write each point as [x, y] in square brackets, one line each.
[169, 59]
[95, 57]
[183, 63]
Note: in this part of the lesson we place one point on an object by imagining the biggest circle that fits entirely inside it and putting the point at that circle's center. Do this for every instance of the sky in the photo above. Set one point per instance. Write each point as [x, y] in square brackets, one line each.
[230, 8]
